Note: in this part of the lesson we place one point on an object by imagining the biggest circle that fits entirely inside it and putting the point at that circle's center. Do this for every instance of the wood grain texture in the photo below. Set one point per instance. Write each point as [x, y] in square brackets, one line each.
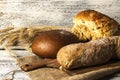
[9, 68]
[22, 13]
[51, 12]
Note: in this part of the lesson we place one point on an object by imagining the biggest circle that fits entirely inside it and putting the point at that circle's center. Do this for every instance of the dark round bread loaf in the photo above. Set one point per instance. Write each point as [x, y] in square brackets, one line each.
[47, 43]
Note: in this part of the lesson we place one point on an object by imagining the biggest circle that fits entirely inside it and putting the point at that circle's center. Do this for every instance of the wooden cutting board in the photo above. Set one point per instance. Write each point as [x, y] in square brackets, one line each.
[86, 73]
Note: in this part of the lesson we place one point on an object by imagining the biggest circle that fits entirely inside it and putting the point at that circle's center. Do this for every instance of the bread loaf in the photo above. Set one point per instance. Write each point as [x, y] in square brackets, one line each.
[90, 53]
[92, 25]
[47, 43]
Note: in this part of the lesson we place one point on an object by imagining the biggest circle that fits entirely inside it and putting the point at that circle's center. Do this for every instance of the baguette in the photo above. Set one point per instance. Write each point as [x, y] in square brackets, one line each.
[90, 53]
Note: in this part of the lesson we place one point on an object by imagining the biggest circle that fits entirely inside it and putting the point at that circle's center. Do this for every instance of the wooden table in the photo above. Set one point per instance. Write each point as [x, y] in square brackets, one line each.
[8, 67]
[20, 13]
[11, 71]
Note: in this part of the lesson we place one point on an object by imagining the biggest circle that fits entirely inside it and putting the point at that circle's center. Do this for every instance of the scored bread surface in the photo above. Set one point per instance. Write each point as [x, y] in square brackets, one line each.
[88, 54]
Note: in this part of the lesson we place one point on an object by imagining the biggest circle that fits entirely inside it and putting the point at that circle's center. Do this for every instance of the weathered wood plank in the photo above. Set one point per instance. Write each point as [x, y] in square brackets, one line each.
[22, 13]
[51, 12]
[9, 68]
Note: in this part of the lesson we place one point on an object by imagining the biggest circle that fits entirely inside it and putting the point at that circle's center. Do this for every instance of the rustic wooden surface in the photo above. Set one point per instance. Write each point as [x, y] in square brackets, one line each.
[20, 13]
[24, 13]
[9, 68]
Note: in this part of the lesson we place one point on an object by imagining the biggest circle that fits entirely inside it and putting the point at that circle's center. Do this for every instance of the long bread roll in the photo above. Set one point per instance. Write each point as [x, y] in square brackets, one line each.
[90, 53]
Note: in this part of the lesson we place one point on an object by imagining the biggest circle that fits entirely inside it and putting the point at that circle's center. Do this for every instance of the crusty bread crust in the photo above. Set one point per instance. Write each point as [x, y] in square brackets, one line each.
[92, 25]
[90, 53]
